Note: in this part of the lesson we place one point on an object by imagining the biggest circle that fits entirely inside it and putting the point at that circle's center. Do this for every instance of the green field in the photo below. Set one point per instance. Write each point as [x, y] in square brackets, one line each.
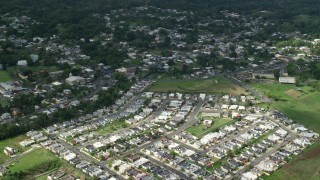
[114, 126]
[284, 92]
[12, 142]
[5, 76]
[304, 109]
[34, 160]
[201, 130]
[216, 85]
[41, 161]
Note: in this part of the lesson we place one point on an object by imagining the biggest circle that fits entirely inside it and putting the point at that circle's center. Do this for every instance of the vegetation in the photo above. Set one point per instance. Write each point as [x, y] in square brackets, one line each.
[33, 163]
[5, 76]
[216, 85]
[40, 161]
[115, 125]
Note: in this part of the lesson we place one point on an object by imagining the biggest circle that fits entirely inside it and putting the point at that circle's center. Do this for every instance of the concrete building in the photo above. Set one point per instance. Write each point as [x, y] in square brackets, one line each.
[287, 80]
[72, 80]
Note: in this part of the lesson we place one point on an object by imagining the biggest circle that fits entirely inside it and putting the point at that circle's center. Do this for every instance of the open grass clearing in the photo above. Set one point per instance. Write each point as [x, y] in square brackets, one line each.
[294, 93]
[5, 76]
[215, 85]
[41, 161]
[35, 160]
[201, 130]
[111, 127]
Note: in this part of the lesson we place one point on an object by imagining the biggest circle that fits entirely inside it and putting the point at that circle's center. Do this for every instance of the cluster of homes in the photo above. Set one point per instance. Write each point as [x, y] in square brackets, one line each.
[203, 44]
[178, 157]
[254, 144]
[302, 138]
[140, 130]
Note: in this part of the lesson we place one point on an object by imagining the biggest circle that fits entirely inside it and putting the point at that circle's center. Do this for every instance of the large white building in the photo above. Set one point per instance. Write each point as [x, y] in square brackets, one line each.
[287, 80]
[74, 80]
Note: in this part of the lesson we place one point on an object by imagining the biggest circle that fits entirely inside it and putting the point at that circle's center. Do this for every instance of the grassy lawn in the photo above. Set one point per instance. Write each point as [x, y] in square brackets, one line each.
[12, 142]
[5, 76]
[304, 109]
[276, 90]
[201, 131]
[41, 161]
[34, 160]
[216, 85]
[114, 126]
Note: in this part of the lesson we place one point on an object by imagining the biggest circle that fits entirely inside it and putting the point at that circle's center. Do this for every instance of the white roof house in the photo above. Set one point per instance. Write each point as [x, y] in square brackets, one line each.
[202, 96]
[22, 63]
[98, 145]
[267, 165]
[249, 176]
[70, 156]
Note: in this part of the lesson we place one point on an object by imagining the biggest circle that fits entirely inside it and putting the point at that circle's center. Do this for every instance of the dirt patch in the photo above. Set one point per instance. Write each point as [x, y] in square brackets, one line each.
[312, 153]
[293, 93]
